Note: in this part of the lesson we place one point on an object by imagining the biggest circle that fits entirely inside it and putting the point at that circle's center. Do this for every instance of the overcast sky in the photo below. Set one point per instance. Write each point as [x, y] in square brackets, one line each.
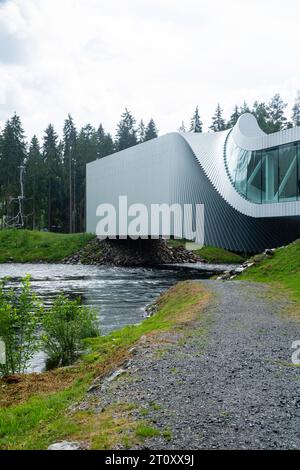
[159, 58]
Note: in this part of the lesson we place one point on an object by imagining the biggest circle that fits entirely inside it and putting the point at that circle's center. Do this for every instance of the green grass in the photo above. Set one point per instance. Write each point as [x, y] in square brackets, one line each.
[282, 269]
[179, 242]
[219, 255]
[212, 254]
[38, 421]
[145, 431]
[167, 434]
[25, 246]
[42, 419]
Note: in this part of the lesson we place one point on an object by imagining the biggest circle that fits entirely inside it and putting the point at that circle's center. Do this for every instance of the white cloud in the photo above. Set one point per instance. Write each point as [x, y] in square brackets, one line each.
[159, 58]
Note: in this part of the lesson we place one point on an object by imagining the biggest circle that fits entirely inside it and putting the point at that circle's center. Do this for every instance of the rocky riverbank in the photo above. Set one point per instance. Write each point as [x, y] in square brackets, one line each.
[255, 260]
[131, 253]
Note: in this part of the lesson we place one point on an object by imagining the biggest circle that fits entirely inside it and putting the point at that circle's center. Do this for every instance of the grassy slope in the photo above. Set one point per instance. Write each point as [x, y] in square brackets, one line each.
[37, 414]
[28, 246]
[283, 269]
[213, 254]
[219, 255]
[25, 246]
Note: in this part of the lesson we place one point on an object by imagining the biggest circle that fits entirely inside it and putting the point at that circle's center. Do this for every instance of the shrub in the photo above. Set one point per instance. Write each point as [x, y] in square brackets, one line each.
[20, 314]
[65, 325]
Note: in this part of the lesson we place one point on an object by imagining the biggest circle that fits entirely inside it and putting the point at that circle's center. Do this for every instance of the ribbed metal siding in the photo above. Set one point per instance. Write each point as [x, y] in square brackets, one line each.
[189, 169]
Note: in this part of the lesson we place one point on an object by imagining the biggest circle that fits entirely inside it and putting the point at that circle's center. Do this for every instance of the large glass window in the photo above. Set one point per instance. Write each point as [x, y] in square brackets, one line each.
[265, 176]
[241, 173]
[287, 173]
[269, 163]
[254, 176]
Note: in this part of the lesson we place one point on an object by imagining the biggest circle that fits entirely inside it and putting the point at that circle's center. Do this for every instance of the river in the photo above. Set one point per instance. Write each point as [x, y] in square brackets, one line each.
[120, 295]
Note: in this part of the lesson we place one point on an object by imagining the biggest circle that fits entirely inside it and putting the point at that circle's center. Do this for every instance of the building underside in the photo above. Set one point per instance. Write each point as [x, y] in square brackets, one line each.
[247, 181]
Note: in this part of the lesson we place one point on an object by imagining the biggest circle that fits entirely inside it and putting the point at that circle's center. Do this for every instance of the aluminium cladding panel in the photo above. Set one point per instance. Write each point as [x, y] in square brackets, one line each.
[145, 173]
[224, 226]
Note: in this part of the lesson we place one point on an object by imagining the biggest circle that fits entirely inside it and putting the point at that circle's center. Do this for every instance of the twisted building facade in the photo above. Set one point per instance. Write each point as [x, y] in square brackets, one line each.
[248, 182]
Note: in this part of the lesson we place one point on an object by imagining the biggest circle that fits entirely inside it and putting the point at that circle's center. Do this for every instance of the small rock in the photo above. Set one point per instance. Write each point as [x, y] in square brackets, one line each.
[67, 445]
[238, 270]
[114, 375]
[269, 252]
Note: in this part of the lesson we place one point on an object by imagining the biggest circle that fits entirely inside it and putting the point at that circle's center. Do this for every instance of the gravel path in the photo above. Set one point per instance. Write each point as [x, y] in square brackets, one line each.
[226, 382]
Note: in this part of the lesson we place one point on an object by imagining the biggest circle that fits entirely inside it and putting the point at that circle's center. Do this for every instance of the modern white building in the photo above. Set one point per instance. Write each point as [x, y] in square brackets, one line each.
[248, 182]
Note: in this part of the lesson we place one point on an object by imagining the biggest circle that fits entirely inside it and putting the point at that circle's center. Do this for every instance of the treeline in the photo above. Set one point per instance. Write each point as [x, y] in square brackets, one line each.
[52, 172]
[270, 116]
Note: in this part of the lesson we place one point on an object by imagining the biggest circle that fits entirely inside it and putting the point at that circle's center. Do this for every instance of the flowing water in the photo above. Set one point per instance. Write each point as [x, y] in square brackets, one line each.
[119, 294]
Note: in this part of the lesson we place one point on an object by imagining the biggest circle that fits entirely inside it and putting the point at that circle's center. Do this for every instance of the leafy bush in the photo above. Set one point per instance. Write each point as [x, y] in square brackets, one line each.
[20, 314]
[65, 325]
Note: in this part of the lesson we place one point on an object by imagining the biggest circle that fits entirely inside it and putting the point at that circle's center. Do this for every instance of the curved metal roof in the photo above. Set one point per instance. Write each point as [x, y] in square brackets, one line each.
[209, 150]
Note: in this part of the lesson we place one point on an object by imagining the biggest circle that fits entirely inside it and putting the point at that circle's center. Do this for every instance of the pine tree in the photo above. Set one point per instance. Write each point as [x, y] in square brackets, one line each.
[141, 131]
[100, 137]
[260, 111]
[234, 117]
[296, 111]
[69, 142]
[105, 143]
[13, 153]
[87, 151]
[87, 145]
[276, 117]
[108, 145]
[90, 145]
[34, 184]
[126, 132]
[151, 131]
[53, 180]
[196, 124]
[245, 108]
[218, 123]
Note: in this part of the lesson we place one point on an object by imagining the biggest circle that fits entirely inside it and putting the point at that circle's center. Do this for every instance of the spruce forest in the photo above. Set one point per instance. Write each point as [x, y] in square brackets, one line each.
[42, 184]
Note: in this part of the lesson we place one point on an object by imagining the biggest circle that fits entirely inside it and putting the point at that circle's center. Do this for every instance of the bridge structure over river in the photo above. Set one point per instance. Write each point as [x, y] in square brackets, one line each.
[247, 182]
